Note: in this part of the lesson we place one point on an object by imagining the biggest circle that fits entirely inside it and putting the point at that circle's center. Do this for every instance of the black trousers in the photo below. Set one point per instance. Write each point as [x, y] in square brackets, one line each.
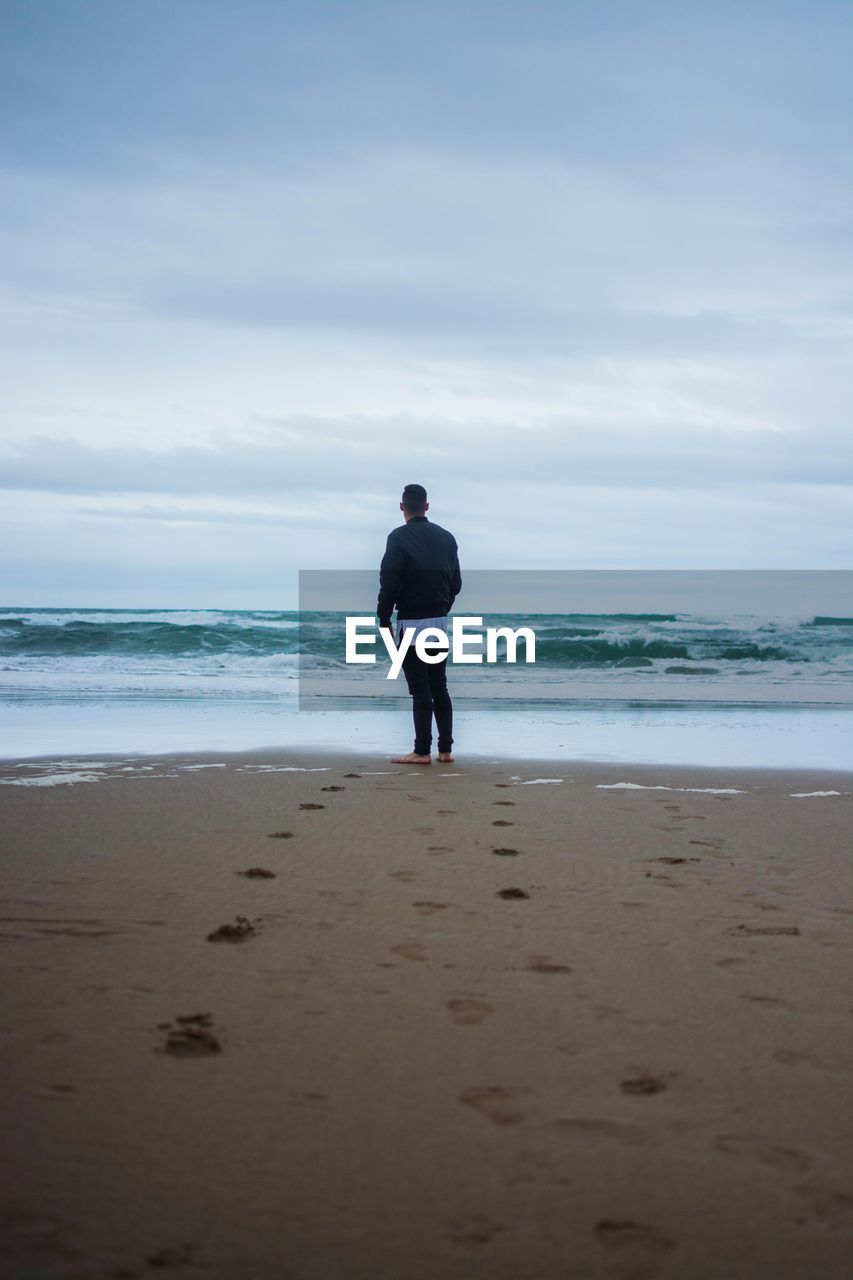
[427, 683]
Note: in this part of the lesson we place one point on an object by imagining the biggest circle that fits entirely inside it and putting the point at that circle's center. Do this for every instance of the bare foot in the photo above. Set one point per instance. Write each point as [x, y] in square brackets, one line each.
[411, 759]
[444, 757]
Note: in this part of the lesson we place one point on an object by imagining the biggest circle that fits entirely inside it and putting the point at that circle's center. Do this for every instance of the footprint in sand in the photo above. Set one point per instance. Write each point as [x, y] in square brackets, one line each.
[711, 843]
[439, 848]
[189, 1036]
[424, 831]
[179, 1256]
[410, 951]
[509, 894]
[790, 1057]
[309, 804]
[643, 1085]
[506, 853]
[403, 875]
[467, 1013]
[280, 835]
[475, 1229]
[634, 1237]
[543, 964]
[429, 908]
[257, 873]
[765, 931]
[309, 1097]
[506, 803]
[241, 929]
[495, 1102]
[755, 1148]
[768, 1000]
[501, 822]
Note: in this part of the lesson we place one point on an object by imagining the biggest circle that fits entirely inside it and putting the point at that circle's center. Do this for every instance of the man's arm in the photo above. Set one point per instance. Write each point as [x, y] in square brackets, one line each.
[456, 581]
[390, 580]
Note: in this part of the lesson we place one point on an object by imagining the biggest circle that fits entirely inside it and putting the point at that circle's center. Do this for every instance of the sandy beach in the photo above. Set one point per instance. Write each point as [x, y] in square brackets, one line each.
[476, 1023]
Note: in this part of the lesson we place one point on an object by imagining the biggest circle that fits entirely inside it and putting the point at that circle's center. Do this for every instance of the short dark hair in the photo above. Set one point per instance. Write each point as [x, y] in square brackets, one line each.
[415, 498]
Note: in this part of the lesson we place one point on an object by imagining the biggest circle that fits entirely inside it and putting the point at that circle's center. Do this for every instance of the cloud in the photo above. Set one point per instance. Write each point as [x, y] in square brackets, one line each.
[323, 457]
[261, 82]
[263, 264]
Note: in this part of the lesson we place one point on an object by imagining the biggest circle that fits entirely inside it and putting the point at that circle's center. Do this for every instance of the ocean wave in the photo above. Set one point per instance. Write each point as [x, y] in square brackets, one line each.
[755, 653]
[143, 637]
[247, 643]
[576, 651]
[267, 619]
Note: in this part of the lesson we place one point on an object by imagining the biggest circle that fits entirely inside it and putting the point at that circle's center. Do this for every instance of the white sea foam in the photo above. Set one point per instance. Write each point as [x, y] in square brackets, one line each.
[532, 782]
[281, 768]
[641, 786]
[110, 617]
[51, 779]
[803, 795]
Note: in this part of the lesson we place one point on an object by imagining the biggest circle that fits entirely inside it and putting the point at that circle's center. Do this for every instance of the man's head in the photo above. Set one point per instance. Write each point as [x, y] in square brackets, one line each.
[414, 501]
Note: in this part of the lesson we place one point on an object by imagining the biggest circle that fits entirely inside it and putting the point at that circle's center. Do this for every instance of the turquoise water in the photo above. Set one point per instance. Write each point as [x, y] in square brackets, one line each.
[250, 641]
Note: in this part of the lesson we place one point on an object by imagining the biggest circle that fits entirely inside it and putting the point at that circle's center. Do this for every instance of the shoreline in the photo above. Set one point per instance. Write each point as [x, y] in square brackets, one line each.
[289, 759]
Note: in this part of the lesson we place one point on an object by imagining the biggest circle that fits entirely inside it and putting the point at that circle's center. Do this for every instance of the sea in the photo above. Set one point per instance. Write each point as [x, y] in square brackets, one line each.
[678, 688]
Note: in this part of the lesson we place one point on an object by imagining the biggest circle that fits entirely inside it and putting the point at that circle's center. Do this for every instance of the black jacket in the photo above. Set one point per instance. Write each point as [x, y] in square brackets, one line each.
[419, 572]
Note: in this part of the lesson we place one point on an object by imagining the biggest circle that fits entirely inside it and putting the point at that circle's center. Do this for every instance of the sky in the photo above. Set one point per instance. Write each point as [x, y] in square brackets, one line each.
[583, 269]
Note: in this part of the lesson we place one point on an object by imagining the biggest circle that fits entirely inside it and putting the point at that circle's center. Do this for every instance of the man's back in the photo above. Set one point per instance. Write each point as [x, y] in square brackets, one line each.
[420, 575]
[419, 572]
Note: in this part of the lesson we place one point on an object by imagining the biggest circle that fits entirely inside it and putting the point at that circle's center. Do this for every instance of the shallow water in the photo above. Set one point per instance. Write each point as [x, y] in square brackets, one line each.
[767, 736]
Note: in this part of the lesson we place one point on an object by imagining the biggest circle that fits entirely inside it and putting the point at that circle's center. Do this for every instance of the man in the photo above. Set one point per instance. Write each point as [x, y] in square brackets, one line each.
[420, 575]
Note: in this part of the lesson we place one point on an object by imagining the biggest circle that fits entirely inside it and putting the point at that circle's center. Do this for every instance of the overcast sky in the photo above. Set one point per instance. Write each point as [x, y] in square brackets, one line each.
[582, 269]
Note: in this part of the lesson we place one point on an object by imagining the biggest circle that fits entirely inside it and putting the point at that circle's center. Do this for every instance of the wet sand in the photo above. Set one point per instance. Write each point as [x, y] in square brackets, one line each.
[453, 1025]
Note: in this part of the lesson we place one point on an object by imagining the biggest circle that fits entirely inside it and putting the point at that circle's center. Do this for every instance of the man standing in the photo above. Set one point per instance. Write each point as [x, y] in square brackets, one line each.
[420, 575]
